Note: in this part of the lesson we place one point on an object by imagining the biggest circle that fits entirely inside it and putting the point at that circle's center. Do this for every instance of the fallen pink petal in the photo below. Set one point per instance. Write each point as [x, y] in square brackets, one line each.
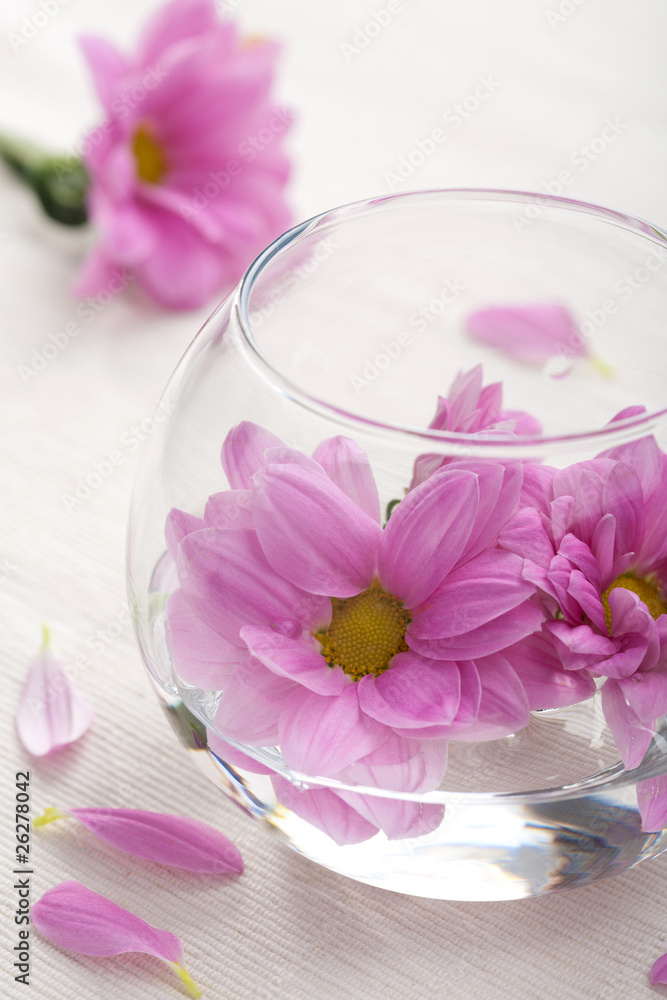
[179, 841]
[76, 918]
[659, 972]
[532, 333]
[52, 712]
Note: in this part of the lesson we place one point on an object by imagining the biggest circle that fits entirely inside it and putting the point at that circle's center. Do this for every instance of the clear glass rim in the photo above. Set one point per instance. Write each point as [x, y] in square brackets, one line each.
[488, 445]
[613, 777]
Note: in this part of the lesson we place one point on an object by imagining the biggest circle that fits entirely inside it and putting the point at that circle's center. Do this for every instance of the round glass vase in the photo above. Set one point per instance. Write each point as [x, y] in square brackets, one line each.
[348, 329]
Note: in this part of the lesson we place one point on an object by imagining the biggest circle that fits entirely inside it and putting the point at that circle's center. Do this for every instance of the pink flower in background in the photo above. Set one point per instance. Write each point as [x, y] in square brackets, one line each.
[471, 408]
[52, 712]
[76, 918]
[532, 333]
[187, 170]
[597, 551]
[346, 644]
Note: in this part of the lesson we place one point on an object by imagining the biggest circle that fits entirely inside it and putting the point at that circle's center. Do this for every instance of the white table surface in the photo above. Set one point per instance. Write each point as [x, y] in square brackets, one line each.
[285, 929]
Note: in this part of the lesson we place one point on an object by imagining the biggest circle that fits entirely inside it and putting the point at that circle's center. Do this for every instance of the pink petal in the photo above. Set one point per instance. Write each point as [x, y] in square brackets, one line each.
[397, 818]
[546, 683]
[179, 524]
[175, 22]
[532, 333]
[524, 535]
[413, 692]
[426, 535]
[250, 704]
[623, 497]
[106, 64]
[632, 737]
[525, 424]
[587, 597]
[184, 270]
[170, 840]
[297, 659]
[74, 917]
[491, 637]
[243, 453]
[312, 533]
[659, 972]
[404, 765]
[537, 486]
[654, 547]
[231, 509]
[201, 655]
[579, 647]
[471, 695]
[326, 811]
[462, 399]
[321, 736]
[52, 712]
[228, 577]
[473, 594]
[348, 466]
[499, 492]
[503, 708]
[95, 275]
[643, 455]
[646, 693]
[652, 803]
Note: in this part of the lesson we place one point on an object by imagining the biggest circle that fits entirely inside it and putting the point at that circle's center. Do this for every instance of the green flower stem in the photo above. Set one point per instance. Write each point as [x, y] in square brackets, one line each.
[60, 182]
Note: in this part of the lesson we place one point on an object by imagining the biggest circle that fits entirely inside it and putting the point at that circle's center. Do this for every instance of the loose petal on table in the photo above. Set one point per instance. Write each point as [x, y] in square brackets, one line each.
[78, 919]
[52, 712]
[170, 840]
[659, 972]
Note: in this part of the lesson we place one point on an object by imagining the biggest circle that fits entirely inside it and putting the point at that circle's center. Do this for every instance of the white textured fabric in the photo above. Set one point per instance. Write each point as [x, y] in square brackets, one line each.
[556, 73]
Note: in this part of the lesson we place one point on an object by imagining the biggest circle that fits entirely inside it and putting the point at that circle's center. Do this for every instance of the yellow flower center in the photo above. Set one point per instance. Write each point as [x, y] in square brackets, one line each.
[365, 632]
[646, 590]
[151, 161]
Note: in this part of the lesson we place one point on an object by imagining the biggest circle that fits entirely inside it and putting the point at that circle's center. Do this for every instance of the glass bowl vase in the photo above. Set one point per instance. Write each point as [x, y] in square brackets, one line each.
[350, 618]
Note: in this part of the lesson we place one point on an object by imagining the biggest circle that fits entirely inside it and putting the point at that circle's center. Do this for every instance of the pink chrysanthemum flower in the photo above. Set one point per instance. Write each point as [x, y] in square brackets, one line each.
[471, 408]
[346, 644]
[596, 548]
[187, 170]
